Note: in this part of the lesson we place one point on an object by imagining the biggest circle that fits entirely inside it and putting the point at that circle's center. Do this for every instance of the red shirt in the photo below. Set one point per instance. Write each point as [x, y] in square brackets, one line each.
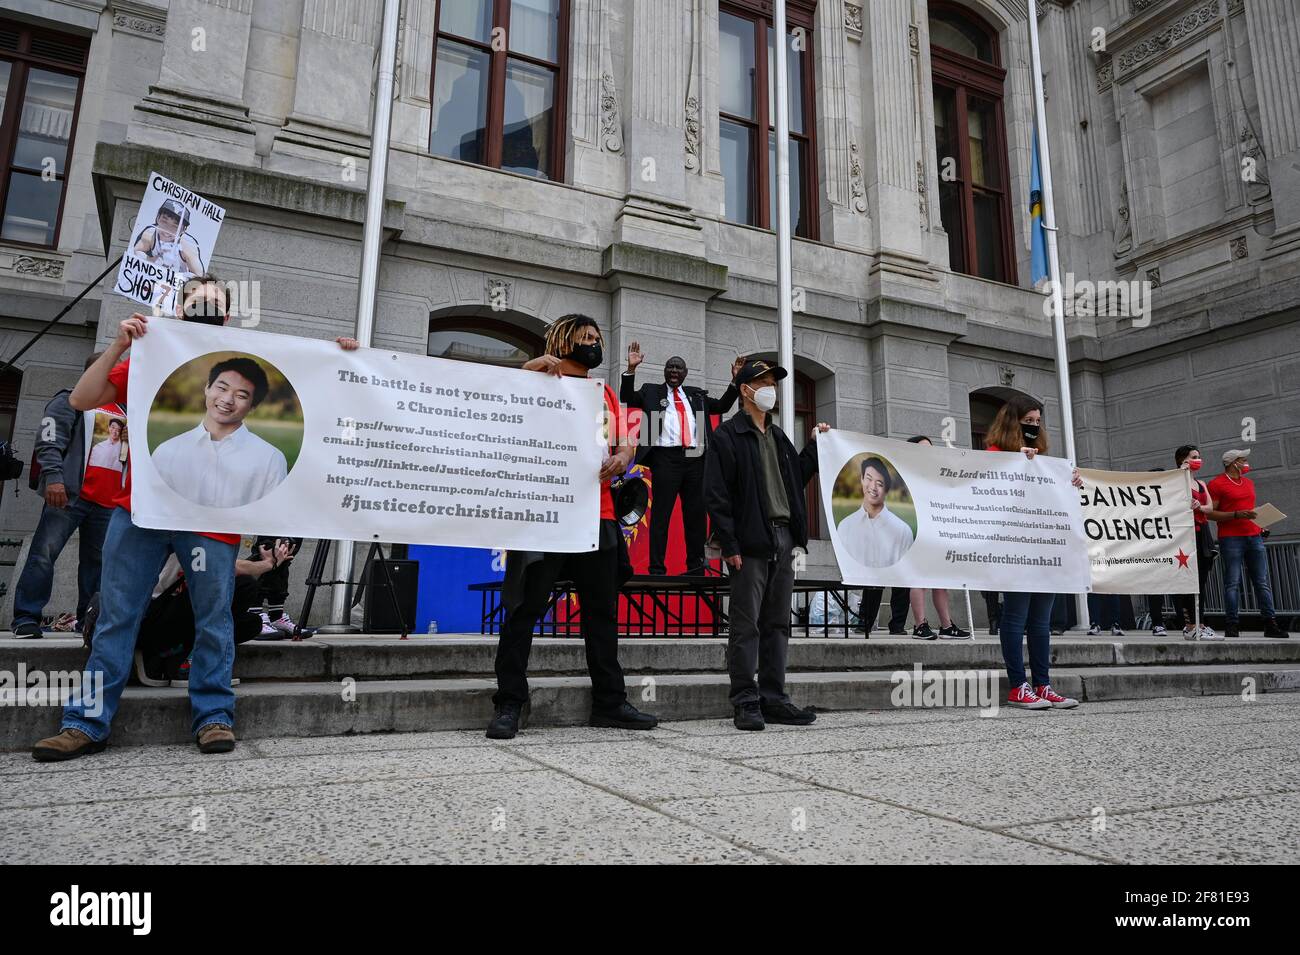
[991, 447]
[615, 416]
[102, 477]
[117, 378]
[1201, 497]
[1234, 496]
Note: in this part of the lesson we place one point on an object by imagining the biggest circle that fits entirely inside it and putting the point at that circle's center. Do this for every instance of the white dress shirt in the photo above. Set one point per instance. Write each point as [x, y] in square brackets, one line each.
[106, 454]
[875, 542]
[237, 470]
[670, 435]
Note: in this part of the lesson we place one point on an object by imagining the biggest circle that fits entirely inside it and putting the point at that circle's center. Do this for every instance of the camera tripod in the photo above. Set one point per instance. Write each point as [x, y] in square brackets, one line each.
[316, 572]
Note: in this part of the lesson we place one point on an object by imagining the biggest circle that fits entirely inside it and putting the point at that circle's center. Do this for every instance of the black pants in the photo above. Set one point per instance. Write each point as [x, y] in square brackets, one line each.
[677, 472]
[899, 601]
[596, 577]
[1205, 557]
[993, 606]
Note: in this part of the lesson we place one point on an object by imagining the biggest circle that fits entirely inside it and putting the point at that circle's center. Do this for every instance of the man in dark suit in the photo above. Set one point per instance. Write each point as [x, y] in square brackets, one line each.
[675, 431]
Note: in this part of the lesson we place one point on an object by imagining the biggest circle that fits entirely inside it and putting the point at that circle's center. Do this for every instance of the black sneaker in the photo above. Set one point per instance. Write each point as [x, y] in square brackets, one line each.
[924, 632]
[507, 720]
[787, 713]
[954, 632]
[28, 631]
[749, 717]
[1271, 629]
[626, 717]
[1231, 631]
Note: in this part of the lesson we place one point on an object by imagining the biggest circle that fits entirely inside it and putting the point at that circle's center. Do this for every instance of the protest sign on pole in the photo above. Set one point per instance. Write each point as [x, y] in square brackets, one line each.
[247, 432]
[908, 515]
[1141, 531]
[174, 234]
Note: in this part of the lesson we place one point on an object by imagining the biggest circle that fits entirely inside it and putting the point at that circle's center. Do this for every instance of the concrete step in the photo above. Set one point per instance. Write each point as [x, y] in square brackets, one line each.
[422, 657]
[277, 709]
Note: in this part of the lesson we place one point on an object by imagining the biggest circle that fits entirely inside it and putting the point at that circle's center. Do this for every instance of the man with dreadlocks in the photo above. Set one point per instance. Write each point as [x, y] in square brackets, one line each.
[574, 348]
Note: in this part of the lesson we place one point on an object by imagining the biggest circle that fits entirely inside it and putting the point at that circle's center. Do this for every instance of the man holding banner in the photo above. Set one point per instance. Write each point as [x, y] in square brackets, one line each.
[133, 557]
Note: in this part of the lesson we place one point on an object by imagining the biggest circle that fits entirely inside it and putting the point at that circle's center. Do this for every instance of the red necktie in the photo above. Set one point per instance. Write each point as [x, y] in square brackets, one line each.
[681, 417]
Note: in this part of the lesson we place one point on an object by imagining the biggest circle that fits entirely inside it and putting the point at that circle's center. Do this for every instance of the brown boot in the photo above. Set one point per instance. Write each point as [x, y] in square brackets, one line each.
[216, 738]
[69, 744]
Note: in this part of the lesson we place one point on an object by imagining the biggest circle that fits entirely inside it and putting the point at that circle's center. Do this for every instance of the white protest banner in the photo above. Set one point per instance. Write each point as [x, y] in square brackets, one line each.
[361, 445]
[174, 234]
[910, 515]
[1141, 531]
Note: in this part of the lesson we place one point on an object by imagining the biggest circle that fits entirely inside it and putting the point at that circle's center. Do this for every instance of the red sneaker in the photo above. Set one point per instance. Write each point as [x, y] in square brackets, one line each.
[1026, 698]
[1059, 702]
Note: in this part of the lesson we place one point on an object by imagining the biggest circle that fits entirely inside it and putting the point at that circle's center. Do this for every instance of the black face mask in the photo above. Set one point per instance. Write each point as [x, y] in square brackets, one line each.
[588, 356]
[204, 313]
[1030, 431]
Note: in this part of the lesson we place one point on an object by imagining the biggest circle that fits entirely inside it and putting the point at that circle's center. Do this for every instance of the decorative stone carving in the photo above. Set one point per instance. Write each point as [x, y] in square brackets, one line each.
[857, 190]
[853, 19]
[1259, 188]
[1105, 74]
[498, 293]
[1137, 6]
[692, 132]
[922, 194]
[1006, 376]
[127, 22]
[914, 39]
[39, 267]
[1124, 229]
[1235, 7]
[611, 121]
[1153, 276]
[1187, 26]
[1239, 247]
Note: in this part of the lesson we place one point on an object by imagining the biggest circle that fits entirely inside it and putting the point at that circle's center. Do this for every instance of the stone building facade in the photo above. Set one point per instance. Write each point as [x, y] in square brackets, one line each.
[606, 156]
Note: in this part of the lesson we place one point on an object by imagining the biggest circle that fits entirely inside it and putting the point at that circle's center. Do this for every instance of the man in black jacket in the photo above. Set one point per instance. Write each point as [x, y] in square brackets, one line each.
[754, 484]
[675, 432]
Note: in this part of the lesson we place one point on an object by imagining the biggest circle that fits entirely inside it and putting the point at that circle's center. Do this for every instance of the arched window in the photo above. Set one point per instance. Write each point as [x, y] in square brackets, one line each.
[970, 142]
[488, 341]
[499, 77]
[11, 385]
[985, 404]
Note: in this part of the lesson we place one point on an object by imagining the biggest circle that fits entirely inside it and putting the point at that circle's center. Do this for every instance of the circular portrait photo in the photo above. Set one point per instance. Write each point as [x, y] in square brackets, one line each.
[225, 429]
[875, 518]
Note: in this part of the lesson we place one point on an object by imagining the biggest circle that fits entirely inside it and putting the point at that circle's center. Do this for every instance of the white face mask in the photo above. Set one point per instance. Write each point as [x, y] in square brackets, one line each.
[765, 398]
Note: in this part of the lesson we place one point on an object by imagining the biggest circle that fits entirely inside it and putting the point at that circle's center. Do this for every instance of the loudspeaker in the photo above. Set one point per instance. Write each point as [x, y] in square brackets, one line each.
[379, 614]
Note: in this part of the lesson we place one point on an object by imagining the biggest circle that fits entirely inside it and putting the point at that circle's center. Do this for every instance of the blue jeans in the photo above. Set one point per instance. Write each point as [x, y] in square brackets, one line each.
[133, 557]
[1249, 551]
[56, 526]
[1026, 615]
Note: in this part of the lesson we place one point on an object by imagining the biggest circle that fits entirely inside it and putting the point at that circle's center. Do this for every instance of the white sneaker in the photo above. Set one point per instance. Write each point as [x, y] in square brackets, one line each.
[1189, 634]
[1158, 631]
[1115, 631]
[1208, 634]
[268, 630]
[284, 623]
[1094, 630]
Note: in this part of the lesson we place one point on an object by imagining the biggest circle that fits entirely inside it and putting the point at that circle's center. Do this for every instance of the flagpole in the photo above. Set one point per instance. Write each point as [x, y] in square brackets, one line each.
[368, 278]
[1053, 263]
[785, 316]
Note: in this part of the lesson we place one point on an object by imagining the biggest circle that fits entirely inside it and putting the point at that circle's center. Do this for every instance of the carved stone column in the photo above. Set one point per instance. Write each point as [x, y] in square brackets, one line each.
[197, 105]
[1273, 27]
[333, 82]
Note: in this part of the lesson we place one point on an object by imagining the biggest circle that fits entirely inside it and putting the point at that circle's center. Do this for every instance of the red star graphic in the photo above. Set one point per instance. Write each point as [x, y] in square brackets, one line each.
[1182, 558]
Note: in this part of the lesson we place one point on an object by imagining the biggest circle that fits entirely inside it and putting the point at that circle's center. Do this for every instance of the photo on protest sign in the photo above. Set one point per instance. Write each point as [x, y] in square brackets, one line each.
[106, 439]
[225, 429]
[1141, 531]
[171, 240]
[911, 515]
[358, 445]
[875, 517]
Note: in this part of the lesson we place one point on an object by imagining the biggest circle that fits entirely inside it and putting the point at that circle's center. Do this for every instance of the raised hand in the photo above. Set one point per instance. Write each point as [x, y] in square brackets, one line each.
[634, 356]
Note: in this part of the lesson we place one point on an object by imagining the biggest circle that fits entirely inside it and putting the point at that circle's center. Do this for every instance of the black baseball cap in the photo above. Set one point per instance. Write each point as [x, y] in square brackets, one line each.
[756, 367]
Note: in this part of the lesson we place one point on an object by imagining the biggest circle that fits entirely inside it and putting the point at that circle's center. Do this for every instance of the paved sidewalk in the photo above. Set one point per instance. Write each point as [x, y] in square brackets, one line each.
[1208, 780]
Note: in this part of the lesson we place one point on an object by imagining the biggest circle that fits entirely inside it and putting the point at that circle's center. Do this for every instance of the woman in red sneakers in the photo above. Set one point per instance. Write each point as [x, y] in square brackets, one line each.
[1019, 425]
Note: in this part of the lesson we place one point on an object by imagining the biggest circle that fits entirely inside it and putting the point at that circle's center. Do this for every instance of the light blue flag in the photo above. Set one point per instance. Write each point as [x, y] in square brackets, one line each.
[1038, 235]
